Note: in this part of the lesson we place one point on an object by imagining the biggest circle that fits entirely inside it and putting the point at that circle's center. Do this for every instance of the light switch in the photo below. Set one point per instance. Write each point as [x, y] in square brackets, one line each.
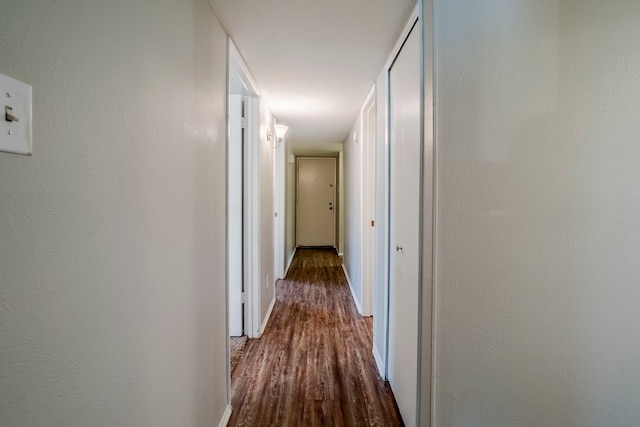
[15, 116]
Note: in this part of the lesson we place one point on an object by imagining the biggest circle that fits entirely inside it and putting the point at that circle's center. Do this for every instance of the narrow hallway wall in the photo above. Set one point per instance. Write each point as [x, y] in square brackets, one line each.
[112, 236]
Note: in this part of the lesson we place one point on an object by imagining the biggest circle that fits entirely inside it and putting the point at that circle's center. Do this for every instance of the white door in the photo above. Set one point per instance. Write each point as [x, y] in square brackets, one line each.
[235, 213]
[316, 195]
[404, 230]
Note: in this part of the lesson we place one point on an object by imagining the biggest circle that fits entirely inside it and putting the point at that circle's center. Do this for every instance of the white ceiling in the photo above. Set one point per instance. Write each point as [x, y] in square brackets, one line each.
[314, 60]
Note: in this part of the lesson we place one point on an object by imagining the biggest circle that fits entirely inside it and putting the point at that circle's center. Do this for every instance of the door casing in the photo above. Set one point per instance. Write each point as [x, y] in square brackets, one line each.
[251, 250]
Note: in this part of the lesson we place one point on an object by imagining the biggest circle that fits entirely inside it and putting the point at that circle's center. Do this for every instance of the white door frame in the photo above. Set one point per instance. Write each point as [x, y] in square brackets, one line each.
[425, 394]
[368, 170]
[251, 253]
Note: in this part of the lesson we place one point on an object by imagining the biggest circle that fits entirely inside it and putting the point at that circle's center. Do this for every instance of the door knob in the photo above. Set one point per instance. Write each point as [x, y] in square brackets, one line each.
[399, 248]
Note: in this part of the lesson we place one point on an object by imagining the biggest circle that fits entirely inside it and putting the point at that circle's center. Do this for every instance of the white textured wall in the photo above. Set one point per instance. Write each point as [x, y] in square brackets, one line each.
[112, 236]
[353, 211]
[538, 279]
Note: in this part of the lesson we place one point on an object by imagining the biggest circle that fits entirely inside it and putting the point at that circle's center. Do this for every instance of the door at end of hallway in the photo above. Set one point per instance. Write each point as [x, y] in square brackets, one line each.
[316, 201]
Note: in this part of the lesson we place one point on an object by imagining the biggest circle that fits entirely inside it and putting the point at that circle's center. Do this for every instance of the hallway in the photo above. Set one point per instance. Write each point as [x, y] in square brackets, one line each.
[313, 366]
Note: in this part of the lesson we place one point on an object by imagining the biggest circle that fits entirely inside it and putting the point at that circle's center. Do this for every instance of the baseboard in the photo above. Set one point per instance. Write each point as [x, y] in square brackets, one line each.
[225, 417]
[379, 364]
[353, 294]
[286, 270]
[265, 322]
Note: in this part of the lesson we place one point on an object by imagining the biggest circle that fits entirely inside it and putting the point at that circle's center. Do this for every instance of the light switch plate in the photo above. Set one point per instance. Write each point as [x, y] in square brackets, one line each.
[15, 97]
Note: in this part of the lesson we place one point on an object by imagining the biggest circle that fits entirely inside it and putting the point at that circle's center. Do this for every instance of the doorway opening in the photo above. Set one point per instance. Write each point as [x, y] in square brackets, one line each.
[242, 199]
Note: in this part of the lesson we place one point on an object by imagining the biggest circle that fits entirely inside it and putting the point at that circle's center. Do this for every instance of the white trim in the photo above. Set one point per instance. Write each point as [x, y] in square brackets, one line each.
[411, 21]
[225, 417]
[293, 254]
[251, 190]
[379, 363]
[265, 322]
[353, 294]
[252, 288]
[237, 64]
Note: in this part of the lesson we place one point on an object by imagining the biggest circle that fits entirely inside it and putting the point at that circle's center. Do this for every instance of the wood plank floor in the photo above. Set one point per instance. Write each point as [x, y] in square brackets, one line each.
[313, 365]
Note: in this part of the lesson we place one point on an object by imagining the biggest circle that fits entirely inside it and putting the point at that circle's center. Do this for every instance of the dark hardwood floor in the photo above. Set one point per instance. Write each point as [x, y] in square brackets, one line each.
[313, 365]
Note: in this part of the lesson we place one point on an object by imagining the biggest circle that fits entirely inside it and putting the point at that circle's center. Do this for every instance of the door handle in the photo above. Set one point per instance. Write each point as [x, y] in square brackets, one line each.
[399, 248]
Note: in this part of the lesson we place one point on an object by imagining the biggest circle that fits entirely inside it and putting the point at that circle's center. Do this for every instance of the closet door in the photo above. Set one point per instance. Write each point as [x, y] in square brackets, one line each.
[404, 225]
